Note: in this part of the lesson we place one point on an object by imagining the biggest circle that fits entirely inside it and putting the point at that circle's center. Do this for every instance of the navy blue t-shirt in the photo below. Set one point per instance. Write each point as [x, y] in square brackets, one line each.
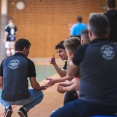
[97, 64]
[15, 70]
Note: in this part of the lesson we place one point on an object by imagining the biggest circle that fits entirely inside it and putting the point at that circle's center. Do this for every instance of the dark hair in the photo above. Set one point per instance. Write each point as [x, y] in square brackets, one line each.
[99, 25]
[72, 43]
[111, 3]
[79, 19]
[60, 45]
[21, 44]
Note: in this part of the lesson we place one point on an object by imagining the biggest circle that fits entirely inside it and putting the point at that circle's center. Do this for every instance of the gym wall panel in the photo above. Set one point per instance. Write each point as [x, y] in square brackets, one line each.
[45, 22]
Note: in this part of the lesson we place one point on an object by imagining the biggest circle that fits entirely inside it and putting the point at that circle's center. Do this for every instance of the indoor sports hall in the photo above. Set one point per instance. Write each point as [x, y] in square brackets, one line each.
[44, 23]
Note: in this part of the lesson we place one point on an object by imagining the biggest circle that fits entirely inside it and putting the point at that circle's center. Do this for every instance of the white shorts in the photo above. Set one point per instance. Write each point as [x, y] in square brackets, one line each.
[9, 44]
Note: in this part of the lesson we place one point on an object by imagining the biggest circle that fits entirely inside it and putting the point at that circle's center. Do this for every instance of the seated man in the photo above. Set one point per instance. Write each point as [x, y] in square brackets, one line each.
[14, 71]
[70, 44]
[60, 49]
[63, 87]
[97, 64]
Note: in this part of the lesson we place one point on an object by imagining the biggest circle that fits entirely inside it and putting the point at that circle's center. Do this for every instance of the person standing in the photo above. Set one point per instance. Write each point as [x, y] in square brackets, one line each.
[111, 14]
[14, 73]
[77, 28]
[10, 37]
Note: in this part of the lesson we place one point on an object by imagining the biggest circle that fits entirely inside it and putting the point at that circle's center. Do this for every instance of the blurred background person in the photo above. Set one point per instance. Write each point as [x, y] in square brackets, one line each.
[111, 14]
[77, 28]
[10, 37]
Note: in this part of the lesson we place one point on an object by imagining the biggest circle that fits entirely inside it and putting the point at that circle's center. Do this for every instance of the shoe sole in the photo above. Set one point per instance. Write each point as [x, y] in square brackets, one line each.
[9, 113]
[21, 114]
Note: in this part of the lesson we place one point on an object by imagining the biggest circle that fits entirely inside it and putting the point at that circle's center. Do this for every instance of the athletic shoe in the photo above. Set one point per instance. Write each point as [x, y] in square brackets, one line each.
[8, 112]
[22, 112]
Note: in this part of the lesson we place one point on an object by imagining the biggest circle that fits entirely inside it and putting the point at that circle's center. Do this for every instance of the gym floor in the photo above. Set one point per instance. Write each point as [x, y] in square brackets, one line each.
[52, 99]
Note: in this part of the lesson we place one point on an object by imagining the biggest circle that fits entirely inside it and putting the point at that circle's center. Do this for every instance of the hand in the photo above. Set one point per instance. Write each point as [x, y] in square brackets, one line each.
[60, 89]
[52, 59]
[43, 87]
[51, 82]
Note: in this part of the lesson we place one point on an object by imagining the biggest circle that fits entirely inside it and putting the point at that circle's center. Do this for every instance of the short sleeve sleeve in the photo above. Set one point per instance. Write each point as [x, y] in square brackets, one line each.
[31, 69]
[79, 54]
[1, 69]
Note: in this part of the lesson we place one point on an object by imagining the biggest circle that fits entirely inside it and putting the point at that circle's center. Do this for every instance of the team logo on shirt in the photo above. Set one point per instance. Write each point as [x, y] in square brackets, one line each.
[13, 64]
[107, 52]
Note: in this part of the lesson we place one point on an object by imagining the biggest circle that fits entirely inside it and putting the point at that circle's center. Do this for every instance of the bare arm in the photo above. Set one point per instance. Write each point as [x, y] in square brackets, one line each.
[71, 71]
[73, 86]
[35, 84]
[66, 83]
[53, 81]
[1, 82]
[60, 72]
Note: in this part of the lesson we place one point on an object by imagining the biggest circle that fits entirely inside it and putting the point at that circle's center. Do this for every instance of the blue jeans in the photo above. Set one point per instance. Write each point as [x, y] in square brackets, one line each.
[35, 98]
[81, 108]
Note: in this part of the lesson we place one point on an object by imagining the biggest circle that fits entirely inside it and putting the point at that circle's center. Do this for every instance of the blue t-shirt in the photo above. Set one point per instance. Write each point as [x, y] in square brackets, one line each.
[77, 29]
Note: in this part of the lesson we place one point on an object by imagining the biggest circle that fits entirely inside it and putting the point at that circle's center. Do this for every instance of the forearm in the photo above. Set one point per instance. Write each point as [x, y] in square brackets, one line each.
[63, 79]
[60, 72]
[69, 88]
[66, 83]
[36, 86]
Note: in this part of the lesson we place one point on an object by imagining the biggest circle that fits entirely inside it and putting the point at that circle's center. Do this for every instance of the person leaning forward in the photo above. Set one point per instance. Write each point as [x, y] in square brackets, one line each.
[97, 65]
[14, 73]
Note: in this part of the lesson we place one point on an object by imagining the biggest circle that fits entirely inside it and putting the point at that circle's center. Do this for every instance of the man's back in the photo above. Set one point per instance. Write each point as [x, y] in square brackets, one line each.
[15, 85]
[77, 29]
[98, 67]
[112, 17]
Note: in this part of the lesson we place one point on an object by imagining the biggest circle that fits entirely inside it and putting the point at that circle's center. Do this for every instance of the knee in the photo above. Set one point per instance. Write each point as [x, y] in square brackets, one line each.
[40, 94]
